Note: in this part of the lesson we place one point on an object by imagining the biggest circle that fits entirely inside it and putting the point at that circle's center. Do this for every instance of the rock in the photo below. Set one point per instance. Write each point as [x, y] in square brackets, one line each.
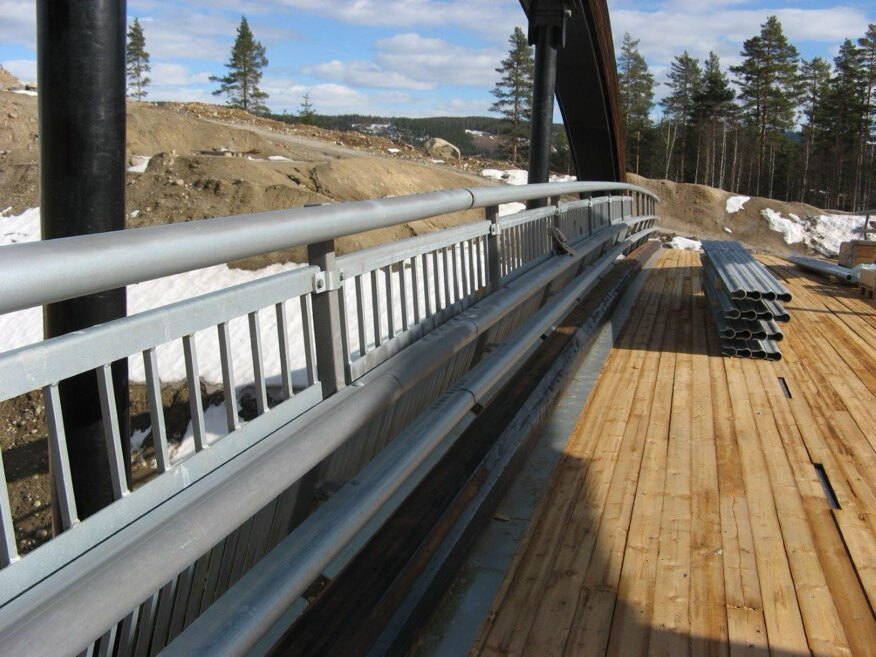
[441, 148]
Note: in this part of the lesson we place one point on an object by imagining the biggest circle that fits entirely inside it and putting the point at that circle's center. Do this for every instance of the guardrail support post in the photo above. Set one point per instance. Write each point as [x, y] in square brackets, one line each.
[81, 75]
[327, 322]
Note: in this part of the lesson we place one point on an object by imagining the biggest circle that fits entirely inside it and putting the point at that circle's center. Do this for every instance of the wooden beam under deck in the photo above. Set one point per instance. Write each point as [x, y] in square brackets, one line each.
[687, 515]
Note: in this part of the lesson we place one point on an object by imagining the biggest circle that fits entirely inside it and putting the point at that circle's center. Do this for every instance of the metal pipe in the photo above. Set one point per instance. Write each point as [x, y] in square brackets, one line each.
[81, 75]
[80, 265]
[825, 268]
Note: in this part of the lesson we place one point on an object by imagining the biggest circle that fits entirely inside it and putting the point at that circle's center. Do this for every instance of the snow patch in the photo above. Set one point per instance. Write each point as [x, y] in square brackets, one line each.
[139, 163]
[736, 203]
[25, 92]
[215, 427]
[393, 150]
[518, 176]
[727, 230]
[278, 158]
[685, 244]
[823, 233]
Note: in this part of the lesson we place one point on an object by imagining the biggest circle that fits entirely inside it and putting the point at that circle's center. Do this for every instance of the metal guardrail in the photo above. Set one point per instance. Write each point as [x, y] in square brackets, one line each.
[399, 327]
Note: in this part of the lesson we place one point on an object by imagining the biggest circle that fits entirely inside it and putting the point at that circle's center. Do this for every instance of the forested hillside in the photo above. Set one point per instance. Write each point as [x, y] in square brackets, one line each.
[776, 125]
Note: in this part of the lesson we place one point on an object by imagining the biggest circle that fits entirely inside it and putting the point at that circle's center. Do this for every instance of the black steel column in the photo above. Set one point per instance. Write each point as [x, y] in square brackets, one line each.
[81, 76]
[547, 30]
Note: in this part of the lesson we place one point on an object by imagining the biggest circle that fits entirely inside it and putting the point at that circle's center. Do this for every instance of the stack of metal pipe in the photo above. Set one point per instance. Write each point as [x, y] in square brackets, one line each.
[746, 301]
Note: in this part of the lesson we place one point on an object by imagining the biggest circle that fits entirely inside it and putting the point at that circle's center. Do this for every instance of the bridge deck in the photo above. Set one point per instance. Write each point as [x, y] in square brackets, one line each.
[687, 515]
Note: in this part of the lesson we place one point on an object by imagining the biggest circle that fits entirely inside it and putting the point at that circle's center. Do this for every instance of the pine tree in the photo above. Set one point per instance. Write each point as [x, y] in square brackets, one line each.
[306, 114]
[867, 49]
[769, 87]
[137, 62]
[513, 93]
[684, 76]
[713, 103]
[636, 86]
[241, 85]
[815, 87]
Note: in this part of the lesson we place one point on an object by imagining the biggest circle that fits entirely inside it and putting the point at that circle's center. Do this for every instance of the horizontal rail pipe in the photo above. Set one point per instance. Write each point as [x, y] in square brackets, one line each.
[75, 266]
[153, 548]
[825, 268]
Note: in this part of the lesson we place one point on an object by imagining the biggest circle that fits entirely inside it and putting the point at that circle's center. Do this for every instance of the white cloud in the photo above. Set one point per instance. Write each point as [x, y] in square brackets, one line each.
[18, 22]
[176, 75]
[413, 62]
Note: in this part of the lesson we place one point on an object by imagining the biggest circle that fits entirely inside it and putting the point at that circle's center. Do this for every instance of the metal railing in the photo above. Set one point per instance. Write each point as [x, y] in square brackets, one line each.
[375, 338]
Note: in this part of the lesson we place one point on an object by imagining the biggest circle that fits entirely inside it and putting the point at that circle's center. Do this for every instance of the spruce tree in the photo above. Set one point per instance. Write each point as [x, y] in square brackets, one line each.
[768, 87]
[513, 93]
[684, 76]
[636, 85]
[241, 84]
[137, 62]
[306, 114]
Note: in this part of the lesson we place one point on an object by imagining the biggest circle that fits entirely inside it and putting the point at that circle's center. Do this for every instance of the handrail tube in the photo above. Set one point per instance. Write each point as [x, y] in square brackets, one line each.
[76, 266]
[160, 544]
[824, 268]
[257, 601]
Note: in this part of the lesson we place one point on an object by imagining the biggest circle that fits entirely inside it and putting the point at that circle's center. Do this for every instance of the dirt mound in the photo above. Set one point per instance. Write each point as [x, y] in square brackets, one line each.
[7, 80]
[701, 212]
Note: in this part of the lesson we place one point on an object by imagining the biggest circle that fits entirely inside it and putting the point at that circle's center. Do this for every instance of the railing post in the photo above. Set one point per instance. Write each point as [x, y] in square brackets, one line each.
[327, 319]
[494, 248]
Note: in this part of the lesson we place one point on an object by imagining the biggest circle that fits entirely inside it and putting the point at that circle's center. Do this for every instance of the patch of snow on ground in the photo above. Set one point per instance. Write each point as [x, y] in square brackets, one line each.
[518, 176]
[823, 233]
[727, 230]
[215, 427]
[685, 244]
[792, 232]
[278, 158]
[25, 92]
[393, 150]
[139, 163]
[736, 203]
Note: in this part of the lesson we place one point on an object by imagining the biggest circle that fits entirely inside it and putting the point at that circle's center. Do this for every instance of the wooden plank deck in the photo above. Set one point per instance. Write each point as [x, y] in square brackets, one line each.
[687, 515]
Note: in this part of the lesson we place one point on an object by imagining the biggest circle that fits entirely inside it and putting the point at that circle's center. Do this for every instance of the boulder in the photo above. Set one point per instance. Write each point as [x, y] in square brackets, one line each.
[437, 147]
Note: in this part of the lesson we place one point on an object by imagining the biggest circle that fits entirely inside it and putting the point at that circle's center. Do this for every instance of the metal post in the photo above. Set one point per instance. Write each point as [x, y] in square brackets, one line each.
[547, 32]
[494, 248]
[327, 320]
[81, 74]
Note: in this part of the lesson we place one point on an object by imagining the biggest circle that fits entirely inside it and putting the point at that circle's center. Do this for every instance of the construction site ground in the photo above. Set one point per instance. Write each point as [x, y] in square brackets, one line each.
[706, 505]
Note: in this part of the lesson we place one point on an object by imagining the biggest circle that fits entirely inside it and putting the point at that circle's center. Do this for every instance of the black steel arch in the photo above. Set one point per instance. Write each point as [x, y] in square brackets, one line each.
[587, 92]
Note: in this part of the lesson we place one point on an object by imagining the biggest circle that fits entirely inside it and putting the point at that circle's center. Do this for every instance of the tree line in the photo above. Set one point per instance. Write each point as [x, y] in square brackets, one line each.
[776, 125]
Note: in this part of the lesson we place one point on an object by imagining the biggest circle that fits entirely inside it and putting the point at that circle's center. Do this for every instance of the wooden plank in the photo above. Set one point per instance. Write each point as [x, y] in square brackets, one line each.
[782, 615]
[630, 631]
[507, 629]
[746, 626]
[823, 627]
[708, 614]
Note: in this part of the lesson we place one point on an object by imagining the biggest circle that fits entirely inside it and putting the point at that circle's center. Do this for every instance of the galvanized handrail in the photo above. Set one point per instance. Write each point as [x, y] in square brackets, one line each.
[76, 266]
[496, 276]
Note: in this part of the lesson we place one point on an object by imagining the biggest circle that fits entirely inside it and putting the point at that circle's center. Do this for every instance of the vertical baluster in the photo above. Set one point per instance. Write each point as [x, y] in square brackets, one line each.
[127, 632]
[390, 302]
[472, 265]
[232, 419]
[309, 343]
[345, 328]
[360, 315]
[375, 307]
[403, 292]
[448, 283]
[416, 277]
[456, 256]
[8, 548]
[258, 369]
[482, 260]
[283, 337]
[111, 431]
[59, 458]
[108, 642]
[194, 383]
[156, 410]
[428, 286]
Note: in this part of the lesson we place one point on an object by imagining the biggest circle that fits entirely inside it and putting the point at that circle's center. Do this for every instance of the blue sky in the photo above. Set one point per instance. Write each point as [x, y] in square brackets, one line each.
[417, 57]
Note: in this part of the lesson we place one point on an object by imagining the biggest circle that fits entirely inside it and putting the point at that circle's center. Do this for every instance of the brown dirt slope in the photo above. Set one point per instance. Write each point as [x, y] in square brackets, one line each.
[700, 212]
